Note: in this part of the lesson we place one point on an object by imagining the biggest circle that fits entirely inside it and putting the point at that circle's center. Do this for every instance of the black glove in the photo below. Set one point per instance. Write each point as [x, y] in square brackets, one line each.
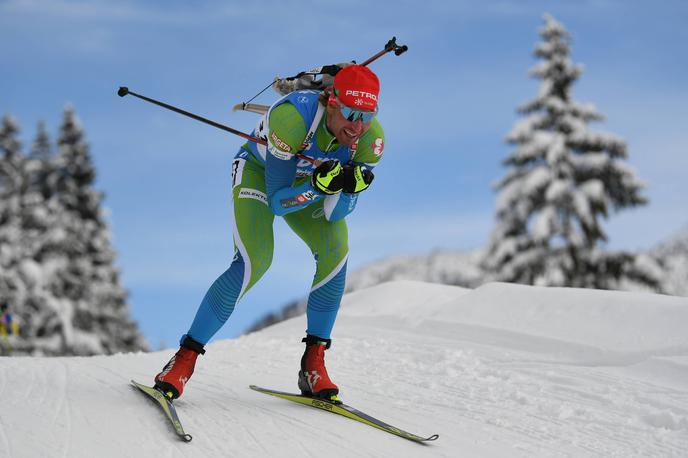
[328, 177]
[356, 179]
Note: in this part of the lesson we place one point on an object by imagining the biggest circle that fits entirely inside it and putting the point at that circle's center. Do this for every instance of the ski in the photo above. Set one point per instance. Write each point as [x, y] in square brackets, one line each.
[340, 408]
[167, 407]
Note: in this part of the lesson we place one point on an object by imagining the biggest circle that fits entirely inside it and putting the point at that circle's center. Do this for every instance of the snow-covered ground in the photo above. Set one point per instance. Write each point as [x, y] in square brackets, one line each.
[499, 371]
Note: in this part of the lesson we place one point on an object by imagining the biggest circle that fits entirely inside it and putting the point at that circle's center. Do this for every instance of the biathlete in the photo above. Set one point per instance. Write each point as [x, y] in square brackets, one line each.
[321, 149]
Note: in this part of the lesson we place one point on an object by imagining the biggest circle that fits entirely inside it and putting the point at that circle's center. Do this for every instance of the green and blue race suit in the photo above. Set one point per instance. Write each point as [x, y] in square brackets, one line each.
[272, 180]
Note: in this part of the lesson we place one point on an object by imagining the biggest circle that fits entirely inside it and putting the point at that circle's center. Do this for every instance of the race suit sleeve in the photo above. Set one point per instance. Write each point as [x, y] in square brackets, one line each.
[368, 155]
[287, 131]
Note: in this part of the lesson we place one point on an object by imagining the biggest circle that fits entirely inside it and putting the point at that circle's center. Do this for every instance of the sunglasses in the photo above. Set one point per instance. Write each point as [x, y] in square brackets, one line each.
[352, 114]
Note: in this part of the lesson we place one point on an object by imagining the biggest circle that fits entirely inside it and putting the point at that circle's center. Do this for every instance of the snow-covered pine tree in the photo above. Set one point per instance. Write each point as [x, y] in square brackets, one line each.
[42, 237]
[20, 240]
[12, 181]
[94, 312]
[39, 209]
[41, 165]
[56, 261]
[563, 178]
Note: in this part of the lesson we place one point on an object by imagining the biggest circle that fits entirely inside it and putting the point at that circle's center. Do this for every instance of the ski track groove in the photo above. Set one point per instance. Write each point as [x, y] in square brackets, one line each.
[4, 439]
[320, 428]
[278, 425]
[196, 412]
[3, 434]
[273, 414]
[248, 430]
[234, 402]
[59, 399]
[38, 392]
[65, 371]
[138, 420]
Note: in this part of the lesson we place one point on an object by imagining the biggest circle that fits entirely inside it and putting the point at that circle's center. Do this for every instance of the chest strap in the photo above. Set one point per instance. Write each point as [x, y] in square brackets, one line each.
[314, 126]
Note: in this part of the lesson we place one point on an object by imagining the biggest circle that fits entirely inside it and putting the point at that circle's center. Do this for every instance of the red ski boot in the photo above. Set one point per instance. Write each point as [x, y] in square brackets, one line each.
[178, 370]
[313, 378]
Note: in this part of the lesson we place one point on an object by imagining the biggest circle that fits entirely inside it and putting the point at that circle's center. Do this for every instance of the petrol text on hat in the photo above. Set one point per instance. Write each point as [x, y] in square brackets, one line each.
[361, 94]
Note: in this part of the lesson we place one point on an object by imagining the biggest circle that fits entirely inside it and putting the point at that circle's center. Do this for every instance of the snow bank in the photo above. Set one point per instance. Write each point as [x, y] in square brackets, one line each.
[609, 320]
[503, 370]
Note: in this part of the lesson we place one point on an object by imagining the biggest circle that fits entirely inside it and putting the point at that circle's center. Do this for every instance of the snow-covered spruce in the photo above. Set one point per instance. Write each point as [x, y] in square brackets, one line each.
[564, 179]
[57, 264]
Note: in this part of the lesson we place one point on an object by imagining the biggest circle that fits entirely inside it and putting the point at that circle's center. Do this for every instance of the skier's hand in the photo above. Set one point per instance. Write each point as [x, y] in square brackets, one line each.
[356, 179]
[328, 177]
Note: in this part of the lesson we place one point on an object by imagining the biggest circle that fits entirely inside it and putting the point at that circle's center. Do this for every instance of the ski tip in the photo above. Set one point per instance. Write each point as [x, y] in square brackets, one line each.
[434, 437]
[186, 437]
[140, 385]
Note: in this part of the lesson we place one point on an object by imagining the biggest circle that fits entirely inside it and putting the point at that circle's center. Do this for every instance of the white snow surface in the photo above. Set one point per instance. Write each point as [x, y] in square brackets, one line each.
[500, 371]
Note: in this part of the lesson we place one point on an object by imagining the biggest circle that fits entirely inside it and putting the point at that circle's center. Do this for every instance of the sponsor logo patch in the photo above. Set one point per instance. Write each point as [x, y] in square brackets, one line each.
[298, 200]
[352, 202]
[378, 146]
[279, 143]
[305, 168]
[305, 197]
[307, 141]
[280, 154]
[322, 404]
[247, 193]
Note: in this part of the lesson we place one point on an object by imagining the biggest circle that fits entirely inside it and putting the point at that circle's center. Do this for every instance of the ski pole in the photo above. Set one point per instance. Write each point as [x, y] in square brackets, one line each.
[125, 91]
[332, 70]
[390, 46]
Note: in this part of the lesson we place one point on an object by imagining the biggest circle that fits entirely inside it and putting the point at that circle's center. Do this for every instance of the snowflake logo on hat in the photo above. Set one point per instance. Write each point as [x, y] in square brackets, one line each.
[359, 102]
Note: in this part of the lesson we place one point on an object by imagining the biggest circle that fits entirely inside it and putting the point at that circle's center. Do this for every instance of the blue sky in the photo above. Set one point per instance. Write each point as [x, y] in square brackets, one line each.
[446, 106]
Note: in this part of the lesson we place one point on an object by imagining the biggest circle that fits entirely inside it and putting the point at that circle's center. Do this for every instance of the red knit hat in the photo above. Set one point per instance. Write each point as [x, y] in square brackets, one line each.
[357, 87]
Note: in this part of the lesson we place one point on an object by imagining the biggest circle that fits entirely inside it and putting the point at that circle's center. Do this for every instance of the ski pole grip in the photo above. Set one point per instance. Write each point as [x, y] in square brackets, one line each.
[391, 44]
[123, 91]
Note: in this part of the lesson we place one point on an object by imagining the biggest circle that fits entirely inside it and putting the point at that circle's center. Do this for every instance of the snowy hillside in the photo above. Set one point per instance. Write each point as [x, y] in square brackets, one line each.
[500, 371]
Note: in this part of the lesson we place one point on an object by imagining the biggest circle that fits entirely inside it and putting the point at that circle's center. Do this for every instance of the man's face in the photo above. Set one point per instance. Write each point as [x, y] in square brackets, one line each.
[347, 132]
